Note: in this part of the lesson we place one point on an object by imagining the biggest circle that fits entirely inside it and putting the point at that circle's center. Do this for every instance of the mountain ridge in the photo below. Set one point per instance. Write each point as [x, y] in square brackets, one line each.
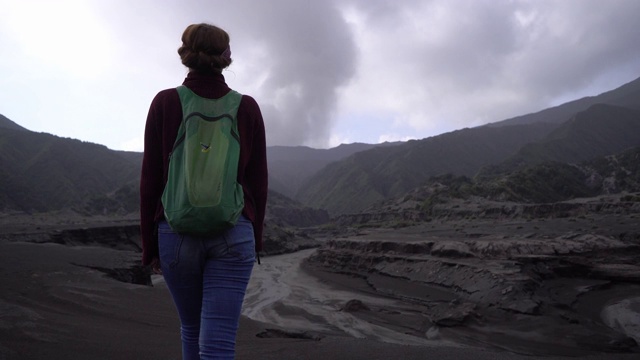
[40, 172]
[537, 189]
[5, 123]
[625, 95]
[350, 186]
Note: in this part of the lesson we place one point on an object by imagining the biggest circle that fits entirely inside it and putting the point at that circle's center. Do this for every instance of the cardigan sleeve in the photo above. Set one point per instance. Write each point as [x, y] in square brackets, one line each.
[151, 182]
[256, 172]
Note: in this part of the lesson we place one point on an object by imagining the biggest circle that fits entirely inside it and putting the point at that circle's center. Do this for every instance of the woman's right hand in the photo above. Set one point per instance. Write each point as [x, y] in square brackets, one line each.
[155, 266]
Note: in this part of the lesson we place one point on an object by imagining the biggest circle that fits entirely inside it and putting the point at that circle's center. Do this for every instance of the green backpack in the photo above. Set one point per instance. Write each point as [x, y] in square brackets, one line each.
[202, 195]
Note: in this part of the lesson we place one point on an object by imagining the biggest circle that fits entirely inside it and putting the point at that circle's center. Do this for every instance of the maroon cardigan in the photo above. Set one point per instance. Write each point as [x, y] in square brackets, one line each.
[165, 115]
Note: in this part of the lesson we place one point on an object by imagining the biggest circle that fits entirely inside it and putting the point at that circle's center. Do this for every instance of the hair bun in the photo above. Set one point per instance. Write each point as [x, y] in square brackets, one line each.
[215, 41]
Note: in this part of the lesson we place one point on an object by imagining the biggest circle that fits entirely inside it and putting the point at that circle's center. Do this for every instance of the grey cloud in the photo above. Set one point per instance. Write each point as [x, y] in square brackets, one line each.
[461, 62]
[483, 49]
[582, 40]
[311, 53]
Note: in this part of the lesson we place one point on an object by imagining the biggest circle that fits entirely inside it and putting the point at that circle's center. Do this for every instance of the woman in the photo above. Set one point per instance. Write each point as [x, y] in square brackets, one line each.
[207, 276]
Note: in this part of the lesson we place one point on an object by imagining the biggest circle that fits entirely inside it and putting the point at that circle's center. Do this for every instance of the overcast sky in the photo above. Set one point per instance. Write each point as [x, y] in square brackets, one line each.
[324, 72]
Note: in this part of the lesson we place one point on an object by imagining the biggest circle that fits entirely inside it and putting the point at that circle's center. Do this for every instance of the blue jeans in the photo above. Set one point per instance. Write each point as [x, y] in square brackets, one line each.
[207, 278]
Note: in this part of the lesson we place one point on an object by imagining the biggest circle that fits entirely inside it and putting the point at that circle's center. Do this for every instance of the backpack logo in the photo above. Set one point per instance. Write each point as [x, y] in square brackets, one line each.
[205, 147]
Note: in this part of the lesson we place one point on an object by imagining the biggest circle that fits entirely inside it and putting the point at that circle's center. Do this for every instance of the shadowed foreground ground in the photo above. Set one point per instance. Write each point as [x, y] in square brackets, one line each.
[53, 306]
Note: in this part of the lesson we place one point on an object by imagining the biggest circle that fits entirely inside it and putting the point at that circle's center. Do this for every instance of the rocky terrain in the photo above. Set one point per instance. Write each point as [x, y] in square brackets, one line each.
[537, 279]
[283, 234]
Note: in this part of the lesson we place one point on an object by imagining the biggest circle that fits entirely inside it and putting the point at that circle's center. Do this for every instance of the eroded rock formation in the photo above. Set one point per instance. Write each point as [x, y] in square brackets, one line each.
[461, 280]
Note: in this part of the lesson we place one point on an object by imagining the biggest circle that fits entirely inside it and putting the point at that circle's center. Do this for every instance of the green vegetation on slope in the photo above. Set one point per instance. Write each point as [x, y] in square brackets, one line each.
[547, 182]
[601, 130]
[585, 129]
[370, 176]
[374, 175]
[42, 172]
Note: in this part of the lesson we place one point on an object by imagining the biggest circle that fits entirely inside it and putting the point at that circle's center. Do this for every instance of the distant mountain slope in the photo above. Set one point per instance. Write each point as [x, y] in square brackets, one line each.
[43, 172]
[40, 172]
[291, 166]
[369, 176]
[284, 211]
[548, 182]
[551, 181]
[627, 95]
[544, 183]
[598, 131]
[615, 173]
[5, 123]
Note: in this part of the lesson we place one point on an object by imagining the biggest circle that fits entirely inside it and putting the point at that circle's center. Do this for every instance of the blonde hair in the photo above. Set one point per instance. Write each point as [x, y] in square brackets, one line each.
[205, 47]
